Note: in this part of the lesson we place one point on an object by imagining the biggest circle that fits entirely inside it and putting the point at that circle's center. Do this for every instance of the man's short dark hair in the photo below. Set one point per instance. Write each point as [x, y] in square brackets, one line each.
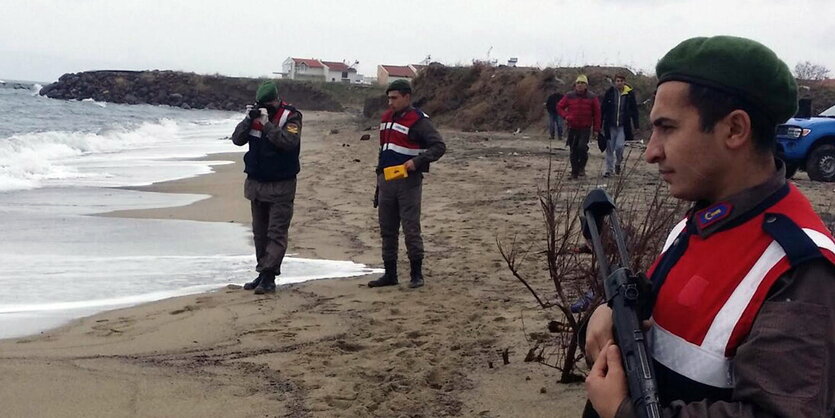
[713, 105]
[620, 76]
[402, 86]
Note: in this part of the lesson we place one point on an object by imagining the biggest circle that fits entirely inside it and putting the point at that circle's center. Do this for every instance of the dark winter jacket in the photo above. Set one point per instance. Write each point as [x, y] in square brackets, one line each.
[274, 148]
[619, 109]
[551, 103]
[580, 111]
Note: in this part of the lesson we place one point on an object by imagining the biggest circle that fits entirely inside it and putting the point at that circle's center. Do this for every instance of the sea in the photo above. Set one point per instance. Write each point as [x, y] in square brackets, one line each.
[63, 162]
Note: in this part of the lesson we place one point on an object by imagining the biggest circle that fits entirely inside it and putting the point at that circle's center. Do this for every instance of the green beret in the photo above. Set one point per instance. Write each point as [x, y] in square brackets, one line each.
[737, 66]
[400, 85]
[267, 92]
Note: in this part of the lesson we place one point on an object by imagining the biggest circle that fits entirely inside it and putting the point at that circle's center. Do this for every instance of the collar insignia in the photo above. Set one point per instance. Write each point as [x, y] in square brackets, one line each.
[713, 214]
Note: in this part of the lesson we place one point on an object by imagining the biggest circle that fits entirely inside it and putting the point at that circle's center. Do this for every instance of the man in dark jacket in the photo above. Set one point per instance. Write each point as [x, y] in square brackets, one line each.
[620, 115]
[408, 143]
[273, 132]
[554, 118]
[581, 112]
[743, 320]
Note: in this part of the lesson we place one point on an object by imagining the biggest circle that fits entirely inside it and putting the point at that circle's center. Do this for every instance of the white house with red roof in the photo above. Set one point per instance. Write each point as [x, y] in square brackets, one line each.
[313, 69]
[304, 69]
[340, 71]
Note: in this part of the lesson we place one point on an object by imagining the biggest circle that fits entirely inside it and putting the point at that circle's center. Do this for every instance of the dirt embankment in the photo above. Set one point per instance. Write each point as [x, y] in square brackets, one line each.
[484, 98]
[194, 91]
[504, 98]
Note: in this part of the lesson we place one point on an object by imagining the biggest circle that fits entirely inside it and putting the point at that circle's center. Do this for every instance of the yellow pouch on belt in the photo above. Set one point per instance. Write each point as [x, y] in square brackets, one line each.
[395, 172]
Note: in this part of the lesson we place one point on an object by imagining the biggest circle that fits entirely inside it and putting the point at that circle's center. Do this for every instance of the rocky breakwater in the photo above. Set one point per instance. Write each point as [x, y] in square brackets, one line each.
[179, 89]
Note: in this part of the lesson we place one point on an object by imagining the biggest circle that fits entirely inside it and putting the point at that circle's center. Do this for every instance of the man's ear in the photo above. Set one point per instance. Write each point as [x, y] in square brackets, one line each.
[738, 125]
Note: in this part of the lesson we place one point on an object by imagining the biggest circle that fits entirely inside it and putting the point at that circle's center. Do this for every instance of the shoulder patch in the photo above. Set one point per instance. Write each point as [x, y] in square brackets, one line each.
[292, 128]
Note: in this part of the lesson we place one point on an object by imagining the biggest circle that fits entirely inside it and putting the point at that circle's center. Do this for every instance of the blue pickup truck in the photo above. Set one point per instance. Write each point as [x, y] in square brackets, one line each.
[808, 144]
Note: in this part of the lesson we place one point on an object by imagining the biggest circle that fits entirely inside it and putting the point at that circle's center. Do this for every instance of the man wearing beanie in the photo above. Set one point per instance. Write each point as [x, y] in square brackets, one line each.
[273, 131]
[743, 314]
[581, 112]
[407, 138]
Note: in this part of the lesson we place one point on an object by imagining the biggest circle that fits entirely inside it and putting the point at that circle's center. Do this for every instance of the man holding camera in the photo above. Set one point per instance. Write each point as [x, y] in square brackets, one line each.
[273, 131]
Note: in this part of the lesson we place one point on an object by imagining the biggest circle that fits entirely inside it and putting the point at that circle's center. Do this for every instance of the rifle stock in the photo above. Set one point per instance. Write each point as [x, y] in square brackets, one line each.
[623, 293]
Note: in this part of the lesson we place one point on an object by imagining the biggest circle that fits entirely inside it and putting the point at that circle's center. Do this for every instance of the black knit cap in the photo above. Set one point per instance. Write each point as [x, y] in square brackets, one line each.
[400, 85]
[737, 66]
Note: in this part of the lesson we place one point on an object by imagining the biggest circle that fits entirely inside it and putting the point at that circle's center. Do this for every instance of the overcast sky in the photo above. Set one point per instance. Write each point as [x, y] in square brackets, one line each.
[42, 39]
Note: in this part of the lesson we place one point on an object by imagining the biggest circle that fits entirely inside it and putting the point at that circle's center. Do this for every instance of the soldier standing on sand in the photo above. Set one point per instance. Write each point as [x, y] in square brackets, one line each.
[273, 132]
[407, 137]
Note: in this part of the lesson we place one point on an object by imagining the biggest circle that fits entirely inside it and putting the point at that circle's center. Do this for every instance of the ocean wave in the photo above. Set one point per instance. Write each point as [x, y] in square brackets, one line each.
[93, 101]
[29, 160]
[20, 85]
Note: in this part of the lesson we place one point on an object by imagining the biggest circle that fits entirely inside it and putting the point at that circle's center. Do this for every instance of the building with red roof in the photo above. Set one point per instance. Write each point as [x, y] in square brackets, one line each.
[388, 73]
[313, 69]
[340, 71]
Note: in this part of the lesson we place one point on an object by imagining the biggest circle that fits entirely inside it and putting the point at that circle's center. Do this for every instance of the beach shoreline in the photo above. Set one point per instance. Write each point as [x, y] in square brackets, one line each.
[331, 348]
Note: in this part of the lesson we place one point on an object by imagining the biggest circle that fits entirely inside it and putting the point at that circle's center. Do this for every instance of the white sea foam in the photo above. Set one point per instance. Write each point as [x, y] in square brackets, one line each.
[129, 281]
[112, 157]
[90, 100]
[94, 263]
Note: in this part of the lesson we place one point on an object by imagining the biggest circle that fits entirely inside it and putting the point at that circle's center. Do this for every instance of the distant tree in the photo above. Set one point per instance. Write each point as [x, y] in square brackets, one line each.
[809, 71]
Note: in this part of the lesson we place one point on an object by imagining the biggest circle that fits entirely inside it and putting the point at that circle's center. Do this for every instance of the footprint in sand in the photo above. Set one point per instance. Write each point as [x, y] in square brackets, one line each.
[187, 308]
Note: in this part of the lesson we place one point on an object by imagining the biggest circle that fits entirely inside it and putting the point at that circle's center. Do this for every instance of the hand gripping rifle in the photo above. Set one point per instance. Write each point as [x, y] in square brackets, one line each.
[624, 292]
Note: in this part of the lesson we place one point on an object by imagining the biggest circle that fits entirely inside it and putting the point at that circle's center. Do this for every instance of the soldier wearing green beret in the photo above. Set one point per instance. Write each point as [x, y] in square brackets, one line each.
[743, 320]
[272, 129]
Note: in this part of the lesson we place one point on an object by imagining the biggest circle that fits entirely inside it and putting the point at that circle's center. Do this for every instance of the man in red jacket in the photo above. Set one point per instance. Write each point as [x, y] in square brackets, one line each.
[581, 112]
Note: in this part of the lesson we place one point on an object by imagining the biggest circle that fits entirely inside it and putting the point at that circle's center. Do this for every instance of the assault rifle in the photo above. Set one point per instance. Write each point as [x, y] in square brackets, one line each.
[625, 292]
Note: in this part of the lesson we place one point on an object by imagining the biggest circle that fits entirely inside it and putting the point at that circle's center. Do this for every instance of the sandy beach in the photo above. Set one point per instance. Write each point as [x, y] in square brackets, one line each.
[332, 348]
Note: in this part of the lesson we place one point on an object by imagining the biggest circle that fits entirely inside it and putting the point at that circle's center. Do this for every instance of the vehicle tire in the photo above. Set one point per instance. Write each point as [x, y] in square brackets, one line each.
[821, 163]
[791, 170]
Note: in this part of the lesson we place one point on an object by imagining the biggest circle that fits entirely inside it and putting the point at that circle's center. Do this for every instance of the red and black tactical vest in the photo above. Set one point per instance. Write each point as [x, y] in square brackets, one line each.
[712, 288]
[395, 145]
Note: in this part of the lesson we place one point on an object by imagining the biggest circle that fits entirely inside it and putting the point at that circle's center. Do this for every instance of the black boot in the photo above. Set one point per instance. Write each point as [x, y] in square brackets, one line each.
[416, 274]
[267, 284]
[389, 278]
[253, 284]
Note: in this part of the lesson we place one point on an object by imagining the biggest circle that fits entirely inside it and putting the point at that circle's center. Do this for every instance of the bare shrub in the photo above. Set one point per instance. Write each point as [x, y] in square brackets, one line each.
[646, 217]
